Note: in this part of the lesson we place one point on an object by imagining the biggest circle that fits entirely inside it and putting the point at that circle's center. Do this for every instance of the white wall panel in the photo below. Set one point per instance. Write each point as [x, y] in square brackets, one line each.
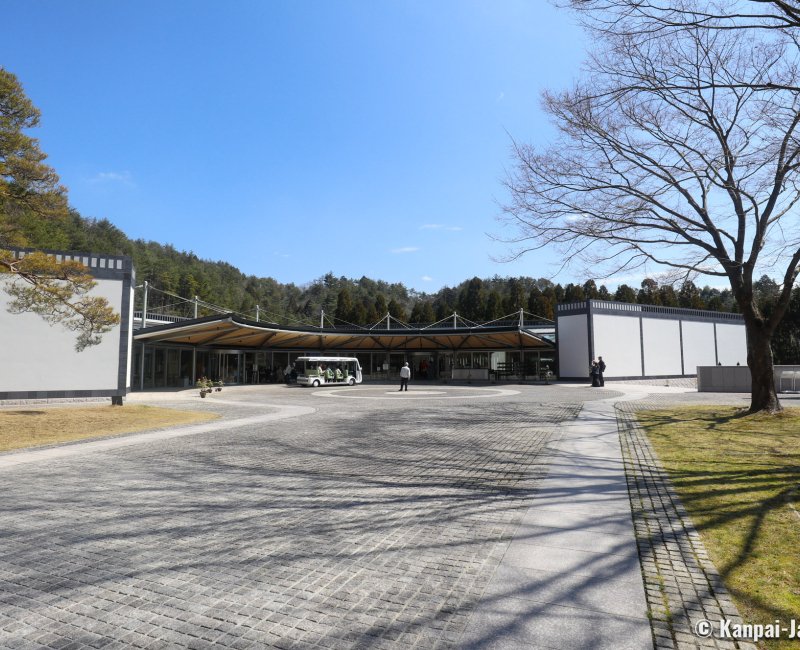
[35, 356]
[617, 339]
[573, 353]
[662, 346]
[129, 360]
[731, 344]
[698, 346]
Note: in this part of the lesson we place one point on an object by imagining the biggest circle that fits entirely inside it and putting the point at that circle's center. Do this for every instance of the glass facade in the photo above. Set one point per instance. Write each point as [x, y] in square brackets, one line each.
[162, 366]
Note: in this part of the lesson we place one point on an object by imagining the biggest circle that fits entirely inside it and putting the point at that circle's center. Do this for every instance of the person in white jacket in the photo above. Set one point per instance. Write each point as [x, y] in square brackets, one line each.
[405, 375]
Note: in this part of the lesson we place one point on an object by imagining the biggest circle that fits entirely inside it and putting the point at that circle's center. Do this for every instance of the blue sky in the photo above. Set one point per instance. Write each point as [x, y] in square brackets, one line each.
[297, 137]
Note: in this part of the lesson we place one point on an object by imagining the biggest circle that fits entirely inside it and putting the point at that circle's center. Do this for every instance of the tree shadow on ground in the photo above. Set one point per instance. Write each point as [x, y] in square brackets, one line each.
[389, 522]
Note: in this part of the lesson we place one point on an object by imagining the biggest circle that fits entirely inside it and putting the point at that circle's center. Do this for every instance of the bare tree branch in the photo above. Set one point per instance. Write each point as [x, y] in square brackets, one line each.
[681, 150]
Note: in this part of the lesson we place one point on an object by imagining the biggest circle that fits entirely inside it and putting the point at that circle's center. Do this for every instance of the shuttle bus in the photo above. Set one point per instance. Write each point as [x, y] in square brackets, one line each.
[325, 371]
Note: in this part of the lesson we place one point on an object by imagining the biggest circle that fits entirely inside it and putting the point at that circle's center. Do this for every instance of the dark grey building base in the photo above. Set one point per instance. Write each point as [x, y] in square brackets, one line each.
[61, 394]
[627, 378]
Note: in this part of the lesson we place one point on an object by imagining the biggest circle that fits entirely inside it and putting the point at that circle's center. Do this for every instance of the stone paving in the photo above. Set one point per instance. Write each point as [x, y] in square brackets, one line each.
[353, 518]
[571, 576]
[365, 524]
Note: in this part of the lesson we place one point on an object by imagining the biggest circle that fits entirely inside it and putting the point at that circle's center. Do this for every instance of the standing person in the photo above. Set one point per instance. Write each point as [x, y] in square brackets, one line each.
[602, 367]
[405, 375]
[594, 373]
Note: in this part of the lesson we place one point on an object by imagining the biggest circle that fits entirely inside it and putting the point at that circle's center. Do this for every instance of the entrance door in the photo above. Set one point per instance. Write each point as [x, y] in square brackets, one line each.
[229, 368]
[422, 365]
[444, 368]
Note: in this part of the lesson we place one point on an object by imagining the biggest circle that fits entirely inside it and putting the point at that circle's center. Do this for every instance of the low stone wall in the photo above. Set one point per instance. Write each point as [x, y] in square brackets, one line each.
[736, 379]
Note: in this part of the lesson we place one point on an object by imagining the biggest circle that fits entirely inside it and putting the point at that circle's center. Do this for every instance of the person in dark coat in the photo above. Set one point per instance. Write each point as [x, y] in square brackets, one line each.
[602, 366]
[594, 373]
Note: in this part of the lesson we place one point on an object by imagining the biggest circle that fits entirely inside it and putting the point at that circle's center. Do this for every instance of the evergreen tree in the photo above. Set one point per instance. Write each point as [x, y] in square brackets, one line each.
[422, 313]
[590, 290]
[689, 296]
[550, 300]
[381, 308]
[624, 293]
[573, 293]
[30, 195]
[344, 306]
[516, 298]
[540, 304]
[667, 296]
[470, 303]
[397, 311]
[494, 306]
[428, 316]
[648, 294]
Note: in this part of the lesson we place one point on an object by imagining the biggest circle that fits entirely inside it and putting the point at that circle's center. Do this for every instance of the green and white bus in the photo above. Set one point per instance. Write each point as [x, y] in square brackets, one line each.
[326, 371]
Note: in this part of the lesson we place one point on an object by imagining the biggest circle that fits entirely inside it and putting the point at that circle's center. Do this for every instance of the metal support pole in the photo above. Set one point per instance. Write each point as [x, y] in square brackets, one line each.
[455, 320]
[521, 318]
[196, 299]
[144, 306]
[321, 318]
[257, 313]
[388, 324]
[141, 370]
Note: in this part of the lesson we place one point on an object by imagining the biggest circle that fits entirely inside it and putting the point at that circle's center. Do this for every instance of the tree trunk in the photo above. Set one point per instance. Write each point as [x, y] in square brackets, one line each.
[763, 396]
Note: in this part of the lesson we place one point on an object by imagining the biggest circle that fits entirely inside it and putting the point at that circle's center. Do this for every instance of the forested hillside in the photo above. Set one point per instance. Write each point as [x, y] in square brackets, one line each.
[361, 301]
[364, 301]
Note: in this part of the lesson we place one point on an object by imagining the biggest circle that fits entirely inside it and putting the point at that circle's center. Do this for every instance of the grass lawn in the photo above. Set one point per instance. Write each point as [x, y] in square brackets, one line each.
[32, 427]
[739, 478]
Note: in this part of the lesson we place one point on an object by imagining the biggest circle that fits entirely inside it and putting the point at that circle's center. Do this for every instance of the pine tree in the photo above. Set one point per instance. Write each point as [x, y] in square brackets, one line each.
[30, 192]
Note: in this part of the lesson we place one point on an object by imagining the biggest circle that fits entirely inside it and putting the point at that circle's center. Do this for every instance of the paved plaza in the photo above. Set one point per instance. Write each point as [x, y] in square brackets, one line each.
[445, 517]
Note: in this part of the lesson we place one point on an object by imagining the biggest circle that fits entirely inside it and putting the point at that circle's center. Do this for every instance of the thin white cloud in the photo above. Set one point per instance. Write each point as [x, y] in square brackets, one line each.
[500, 97]
[405, 249]
[276, 254]
[426, 278]
[439, 226]
[123, 178]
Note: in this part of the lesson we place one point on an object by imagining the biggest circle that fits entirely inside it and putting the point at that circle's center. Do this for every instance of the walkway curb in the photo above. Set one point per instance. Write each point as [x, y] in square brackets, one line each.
[682, 584]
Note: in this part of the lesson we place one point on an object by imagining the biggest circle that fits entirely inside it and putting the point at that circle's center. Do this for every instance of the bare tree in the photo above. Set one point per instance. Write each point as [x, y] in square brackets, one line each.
[638, 16]
[673, 153]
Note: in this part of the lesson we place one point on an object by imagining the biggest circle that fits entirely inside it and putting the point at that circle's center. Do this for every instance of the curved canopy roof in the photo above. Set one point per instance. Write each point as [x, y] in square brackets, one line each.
[231, 331]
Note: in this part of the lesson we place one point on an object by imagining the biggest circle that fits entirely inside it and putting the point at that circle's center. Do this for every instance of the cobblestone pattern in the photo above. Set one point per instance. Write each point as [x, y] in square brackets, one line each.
[682, 585]
[359, 526]
[675, 382]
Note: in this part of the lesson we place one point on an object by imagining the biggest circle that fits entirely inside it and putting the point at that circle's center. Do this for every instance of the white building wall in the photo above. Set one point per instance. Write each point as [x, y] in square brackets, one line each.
[698, 346]
[129, 361]
[573, 359]
[617, 339]
[731, 344]
[662, 346]
[36, 356]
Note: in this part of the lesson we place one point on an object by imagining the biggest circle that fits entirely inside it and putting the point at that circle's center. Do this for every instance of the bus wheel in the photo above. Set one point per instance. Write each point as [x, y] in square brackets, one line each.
[315, 384]
[352, 381]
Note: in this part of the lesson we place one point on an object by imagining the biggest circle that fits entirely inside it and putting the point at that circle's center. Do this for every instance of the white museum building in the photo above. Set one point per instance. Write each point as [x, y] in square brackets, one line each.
[39, 360]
